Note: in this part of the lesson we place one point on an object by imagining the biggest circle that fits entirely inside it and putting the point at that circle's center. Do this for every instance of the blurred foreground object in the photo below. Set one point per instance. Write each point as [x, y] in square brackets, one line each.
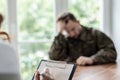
[9, 62]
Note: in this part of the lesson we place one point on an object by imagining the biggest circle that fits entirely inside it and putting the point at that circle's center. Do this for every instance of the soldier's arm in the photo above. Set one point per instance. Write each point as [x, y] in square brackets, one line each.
[58, 50]
[106, 49]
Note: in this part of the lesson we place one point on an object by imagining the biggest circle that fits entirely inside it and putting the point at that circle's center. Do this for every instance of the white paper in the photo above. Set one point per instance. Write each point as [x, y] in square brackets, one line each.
[60, 71]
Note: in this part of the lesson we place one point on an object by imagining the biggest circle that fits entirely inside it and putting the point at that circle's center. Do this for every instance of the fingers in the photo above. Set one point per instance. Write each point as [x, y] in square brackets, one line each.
[61, 26]
[37, 75]
[47, 78]
[43, 76]
[82, 61]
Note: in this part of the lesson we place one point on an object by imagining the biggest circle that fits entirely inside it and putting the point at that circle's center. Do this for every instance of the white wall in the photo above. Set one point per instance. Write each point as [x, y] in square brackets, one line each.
[107, 17]
[111, 21]
[116, 24]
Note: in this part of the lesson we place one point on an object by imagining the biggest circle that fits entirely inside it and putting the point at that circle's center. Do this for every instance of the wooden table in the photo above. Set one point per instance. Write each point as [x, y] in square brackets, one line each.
[98, 72]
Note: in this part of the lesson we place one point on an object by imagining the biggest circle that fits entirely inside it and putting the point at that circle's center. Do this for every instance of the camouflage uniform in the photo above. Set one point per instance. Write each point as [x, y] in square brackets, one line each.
[90, 43]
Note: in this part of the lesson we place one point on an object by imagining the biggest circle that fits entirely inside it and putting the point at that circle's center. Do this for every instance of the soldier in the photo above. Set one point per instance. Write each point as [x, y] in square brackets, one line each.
[79, 44]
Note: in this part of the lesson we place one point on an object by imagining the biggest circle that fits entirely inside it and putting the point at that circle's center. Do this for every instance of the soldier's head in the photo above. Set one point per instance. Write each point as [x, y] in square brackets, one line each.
[68, 24]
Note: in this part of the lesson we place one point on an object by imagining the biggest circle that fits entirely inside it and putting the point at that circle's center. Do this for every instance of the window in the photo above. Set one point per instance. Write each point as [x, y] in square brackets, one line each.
[35, 25]
[86, 11]
[36, 28]
[3, 11]
[35, 22]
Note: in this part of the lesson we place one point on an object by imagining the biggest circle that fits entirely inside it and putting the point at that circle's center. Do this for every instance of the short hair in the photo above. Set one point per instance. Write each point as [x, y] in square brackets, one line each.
[66, 16]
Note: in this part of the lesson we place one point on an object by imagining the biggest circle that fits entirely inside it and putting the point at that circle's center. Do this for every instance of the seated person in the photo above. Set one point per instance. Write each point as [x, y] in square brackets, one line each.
[3, 34]
[79, 44]
[9, 61]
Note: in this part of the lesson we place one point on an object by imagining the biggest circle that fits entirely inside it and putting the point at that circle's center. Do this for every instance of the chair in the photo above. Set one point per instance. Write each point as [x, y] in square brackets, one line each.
[9, 62]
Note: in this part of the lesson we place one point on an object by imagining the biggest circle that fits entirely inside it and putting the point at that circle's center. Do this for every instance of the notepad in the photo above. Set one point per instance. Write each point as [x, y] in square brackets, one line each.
[59, 69]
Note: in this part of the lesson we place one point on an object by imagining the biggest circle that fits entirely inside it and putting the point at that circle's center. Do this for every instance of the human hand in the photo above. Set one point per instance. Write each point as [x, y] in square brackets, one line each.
[82, 61]
[61, 29]
[37, 75]
[43, 76]
[61, 26]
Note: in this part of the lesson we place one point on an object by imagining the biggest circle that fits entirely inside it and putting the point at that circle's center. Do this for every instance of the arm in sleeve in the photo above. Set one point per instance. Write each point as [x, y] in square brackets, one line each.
[58, 50]
[106, 49]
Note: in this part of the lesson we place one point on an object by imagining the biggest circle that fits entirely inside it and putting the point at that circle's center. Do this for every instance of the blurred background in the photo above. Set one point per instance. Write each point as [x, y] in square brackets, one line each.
[32, 25]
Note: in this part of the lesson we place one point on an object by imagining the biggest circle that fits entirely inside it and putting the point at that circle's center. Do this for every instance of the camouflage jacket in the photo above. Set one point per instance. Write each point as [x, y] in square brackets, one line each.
[90, 43]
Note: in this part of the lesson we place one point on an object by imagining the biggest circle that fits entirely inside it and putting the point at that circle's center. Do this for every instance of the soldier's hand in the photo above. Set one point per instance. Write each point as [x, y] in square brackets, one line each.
[82, 61]
[61, 26]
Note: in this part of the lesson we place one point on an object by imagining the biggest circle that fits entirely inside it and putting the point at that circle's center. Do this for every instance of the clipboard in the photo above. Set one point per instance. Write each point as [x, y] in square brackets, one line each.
[61, 70]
